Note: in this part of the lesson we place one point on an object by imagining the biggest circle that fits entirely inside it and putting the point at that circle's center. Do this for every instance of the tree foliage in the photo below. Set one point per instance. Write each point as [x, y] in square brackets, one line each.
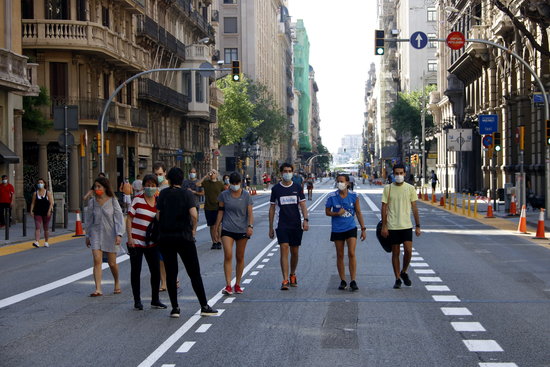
[324, 161]
[406, 113]
[33, 118]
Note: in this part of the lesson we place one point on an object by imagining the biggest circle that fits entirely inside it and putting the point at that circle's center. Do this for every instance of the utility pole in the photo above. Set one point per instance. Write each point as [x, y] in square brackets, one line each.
[423, 162]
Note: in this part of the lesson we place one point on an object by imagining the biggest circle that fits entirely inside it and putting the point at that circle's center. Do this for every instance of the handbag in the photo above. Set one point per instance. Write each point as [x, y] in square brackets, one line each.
[152, 232]
[384, 241]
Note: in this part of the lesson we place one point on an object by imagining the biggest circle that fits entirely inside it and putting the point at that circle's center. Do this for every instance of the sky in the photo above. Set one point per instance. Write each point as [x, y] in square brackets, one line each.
[341, 38]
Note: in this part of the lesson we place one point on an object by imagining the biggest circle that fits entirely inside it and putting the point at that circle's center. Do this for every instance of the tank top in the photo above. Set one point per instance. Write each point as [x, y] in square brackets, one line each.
[41, 204]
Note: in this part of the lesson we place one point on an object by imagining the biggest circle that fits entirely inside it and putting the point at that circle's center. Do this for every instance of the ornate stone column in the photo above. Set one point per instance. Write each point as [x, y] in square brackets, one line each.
[74, 179]
[18, 168]
[43, 160]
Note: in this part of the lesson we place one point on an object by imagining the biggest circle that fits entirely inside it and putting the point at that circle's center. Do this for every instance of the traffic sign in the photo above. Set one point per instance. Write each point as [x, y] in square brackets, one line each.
[418, 40]
[488, 124]
[487, 141]
[539, 97]
[455, 40]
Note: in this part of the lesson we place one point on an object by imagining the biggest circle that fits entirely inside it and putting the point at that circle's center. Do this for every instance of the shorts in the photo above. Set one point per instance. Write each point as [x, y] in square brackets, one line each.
[127, 199]
[291, 236]
[42, 220]
[433, 185]
[342, 236]
[211, 217]
[233, 235]
[399, 236]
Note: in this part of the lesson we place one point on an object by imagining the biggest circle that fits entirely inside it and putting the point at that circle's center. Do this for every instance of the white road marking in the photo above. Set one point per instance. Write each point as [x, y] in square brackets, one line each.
[482, 346]
[437, 288]
[370, 203]
[203, 328]
[430, 279]
[254, 273]
[419, 265]
[260, 266]
[247, 281]
[185, 347]
[417, 258]
[455, 311]
[497, 364]
[414, 253]
[467, 326]
[229, 300]
[265, 260]
[271, 254]
[424, 271]
[168, 365]
[446, 298]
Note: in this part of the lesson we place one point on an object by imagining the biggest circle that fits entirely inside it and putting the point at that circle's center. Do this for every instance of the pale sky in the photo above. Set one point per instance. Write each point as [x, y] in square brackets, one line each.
[341, 37]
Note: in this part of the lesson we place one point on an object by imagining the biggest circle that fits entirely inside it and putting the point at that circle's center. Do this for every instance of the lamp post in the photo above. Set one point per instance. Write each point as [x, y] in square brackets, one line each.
[255, 155]
[446, 128]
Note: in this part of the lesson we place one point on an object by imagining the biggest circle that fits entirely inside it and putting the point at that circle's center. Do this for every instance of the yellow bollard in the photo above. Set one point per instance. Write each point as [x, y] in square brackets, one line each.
[475, 209]
[456, 206]
[469, 210]
[463, 205]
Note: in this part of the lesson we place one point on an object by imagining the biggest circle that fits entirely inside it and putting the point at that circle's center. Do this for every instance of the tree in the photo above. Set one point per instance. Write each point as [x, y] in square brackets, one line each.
[33, 118]
[324, 161]
[272, 127]
[406, 113]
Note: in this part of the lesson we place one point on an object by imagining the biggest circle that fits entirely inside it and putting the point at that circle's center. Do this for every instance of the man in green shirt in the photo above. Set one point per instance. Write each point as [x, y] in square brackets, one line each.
[397, 200]
[212, 189]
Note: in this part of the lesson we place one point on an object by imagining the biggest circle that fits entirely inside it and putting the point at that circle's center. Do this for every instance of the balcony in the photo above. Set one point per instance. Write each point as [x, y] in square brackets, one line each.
[155, 92]
[200, 53]
[86, 37]
[132, 6]
[14, 72]
[148, 29]
[216, 96]
[139, 118]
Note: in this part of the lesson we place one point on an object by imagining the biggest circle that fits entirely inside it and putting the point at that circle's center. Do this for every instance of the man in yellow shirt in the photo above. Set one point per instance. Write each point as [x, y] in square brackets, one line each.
[397, 200]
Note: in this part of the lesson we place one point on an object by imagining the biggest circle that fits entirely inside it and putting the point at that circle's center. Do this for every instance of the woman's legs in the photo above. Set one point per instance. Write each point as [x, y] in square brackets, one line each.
[46, 223]
[227, 258]
[135, 272]
[37, 225]
[152, 258]
[169, 255]
[98, 259]
[339, 244]
[162, 275]
[239, 255]
[111, 260]
[188, 254]
[352, 260]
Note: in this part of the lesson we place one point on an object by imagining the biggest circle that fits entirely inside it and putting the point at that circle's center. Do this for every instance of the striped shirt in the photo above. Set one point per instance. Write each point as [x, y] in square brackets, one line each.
[142, 214]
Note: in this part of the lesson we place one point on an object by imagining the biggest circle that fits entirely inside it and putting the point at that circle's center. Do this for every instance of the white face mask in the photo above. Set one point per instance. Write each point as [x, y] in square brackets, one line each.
[40, 185]
[192, 175]
[235, 187]
[342, 186]
[399, 178]
[5, 181]
[287, 176]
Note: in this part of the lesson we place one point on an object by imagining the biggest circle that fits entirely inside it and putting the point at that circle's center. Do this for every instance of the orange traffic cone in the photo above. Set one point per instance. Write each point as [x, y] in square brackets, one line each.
[513, 208]
[78, 231]
[425, 196]
[419, 195]
[434, 198]
[522, 226]
[540, 226]
[489, 211]
[442, 200]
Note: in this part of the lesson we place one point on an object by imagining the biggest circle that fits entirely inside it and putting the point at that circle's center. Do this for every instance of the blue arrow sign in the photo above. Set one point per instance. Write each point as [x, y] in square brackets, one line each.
[488, 124]
[418, 40]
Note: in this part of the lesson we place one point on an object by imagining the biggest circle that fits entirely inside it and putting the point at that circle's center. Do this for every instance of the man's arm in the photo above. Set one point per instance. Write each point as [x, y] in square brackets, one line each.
[305, 224]
[271, 218]
[416, 217]
[194, 218]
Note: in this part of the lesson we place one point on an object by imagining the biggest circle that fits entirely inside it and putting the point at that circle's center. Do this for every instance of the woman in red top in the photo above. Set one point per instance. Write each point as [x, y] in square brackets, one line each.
[142, 212]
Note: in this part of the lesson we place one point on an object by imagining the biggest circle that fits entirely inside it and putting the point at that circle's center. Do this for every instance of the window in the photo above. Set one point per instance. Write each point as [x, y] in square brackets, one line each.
[59, 82]
[27, 9]
[106, 93]
[230, 54]
[105, 16]
[199, 88]
[119, 94]
[432, 44]
[57, 9]
[229, 1]
[187, 84]
[230, 24]
[129, 93]
[432, 15]
[432, 65]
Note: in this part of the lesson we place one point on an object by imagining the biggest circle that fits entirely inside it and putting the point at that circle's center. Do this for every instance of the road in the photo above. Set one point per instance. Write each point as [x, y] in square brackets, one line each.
[480, 297]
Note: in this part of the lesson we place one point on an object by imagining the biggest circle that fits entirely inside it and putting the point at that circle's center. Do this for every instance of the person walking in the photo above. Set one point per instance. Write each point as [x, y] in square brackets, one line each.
[159, 170]
[433, 179]
[212, 188]
[7, 193]
[105, 228]
[41, 210]
[91, 192]
[237, 225]
[225, 180]
[343, 206]
[398, 199]
[137, 186]
[309, 186]
[141, 213]
[127, 191]
[351, 181]
[177, 217]
[289, 198]
[191, 185]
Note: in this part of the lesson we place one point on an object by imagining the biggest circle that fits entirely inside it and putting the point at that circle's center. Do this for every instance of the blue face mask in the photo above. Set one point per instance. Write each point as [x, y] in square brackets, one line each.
[40, 185]
[235, 187]
[287, 176]
[160, 179]
[150, 191]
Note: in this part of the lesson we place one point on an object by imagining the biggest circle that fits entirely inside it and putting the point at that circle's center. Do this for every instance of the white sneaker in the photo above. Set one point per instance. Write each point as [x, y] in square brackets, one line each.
[36, 244]
[46, 244]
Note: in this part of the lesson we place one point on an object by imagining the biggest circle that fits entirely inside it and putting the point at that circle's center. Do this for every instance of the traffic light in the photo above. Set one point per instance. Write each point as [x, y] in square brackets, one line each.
[414, 159]
[547, 132]
[379, 42]
[407, 159]
[497, 141]
[236, 70]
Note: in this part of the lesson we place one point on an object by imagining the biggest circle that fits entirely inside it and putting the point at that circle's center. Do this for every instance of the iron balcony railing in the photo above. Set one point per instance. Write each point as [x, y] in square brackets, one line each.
[158, 93]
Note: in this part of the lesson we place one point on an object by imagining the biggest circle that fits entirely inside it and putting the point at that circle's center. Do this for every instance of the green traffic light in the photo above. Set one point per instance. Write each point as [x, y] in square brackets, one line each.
[380, 51]
[236, 77]
[497, 148]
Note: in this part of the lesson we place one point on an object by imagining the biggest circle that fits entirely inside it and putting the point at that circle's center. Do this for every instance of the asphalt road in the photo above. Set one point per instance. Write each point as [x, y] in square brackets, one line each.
[480, 297]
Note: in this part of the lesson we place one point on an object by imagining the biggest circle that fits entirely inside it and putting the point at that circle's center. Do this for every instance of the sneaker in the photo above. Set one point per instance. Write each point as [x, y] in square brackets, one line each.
[214, 246]
[208, 311]
[138, 305]
[293, 280]
[46, 244]
[36, 244]
[228, 290]
[353, 286]
[238, 289]
[406, 279]
[284, 285]
[397, 284]
[175, 313]
[219, 246]
[158, 305]
[343, 285]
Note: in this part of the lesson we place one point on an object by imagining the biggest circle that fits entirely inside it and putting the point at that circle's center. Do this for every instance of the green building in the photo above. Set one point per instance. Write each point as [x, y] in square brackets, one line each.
[301, 83]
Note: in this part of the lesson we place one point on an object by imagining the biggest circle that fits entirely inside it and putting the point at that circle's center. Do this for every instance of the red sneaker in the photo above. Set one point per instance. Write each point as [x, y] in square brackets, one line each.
[293, 280]
[227, 290]
[284, 286]
[237, 288]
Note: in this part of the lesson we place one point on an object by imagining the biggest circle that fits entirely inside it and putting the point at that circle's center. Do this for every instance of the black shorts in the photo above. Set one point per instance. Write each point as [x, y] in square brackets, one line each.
[233, 235]
[433, 185]
[342, 236]
[291, 236]
[211, 217]
[399, 236]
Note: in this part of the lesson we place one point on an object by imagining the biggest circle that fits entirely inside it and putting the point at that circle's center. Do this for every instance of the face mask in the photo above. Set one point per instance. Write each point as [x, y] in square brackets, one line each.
[99, 192]
[287, 176]
[160, 179]
[192, 175]
[399, 178]
[4, 181]
[235, 187]
[226, 181]
[342, 186]
[40, 185]
[150, 191]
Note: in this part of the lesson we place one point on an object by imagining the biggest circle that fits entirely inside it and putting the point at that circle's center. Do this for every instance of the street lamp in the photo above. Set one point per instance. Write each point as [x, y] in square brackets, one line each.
[446, 128]
[255, 155]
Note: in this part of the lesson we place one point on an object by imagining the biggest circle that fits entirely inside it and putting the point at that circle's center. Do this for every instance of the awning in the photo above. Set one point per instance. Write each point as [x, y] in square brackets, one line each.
[6, 154]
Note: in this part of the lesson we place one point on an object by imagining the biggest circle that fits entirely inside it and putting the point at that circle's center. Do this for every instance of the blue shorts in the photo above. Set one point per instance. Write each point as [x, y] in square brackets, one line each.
[291, 236]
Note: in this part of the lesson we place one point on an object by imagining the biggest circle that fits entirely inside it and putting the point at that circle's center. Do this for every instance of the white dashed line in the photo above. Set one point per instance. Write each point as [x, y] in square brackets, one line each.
[415, 253]
[265, 260]
[497, 364]
[185, 347]
[467, 326]
[260, 266]
[168, 365]
[456, 311]
[446, 298]
[254, 273]
[430, 279]
[482, 346]
[417, 258]
[203, 328]
[419, 265]
[437, 288]
[424, 271]
[270, 254]
[247, 281]
[229, 300]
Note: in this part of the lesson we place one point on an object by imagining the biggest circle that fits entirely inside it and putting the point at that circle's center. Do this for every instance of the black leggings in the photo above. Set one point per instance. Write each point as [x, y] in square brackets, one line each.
[152, 257]
[170, 248]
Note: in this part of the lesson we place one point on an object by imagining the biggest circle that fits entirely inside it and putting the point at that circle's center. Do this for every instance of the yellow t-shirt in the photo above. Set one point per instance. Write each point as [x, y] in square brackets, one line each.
[399, 208]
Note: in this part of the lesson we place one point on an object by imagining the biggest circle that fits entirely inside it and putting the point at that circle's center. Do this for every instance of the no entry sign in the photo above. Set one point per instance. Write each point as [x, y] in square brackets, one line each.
[455, 40]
